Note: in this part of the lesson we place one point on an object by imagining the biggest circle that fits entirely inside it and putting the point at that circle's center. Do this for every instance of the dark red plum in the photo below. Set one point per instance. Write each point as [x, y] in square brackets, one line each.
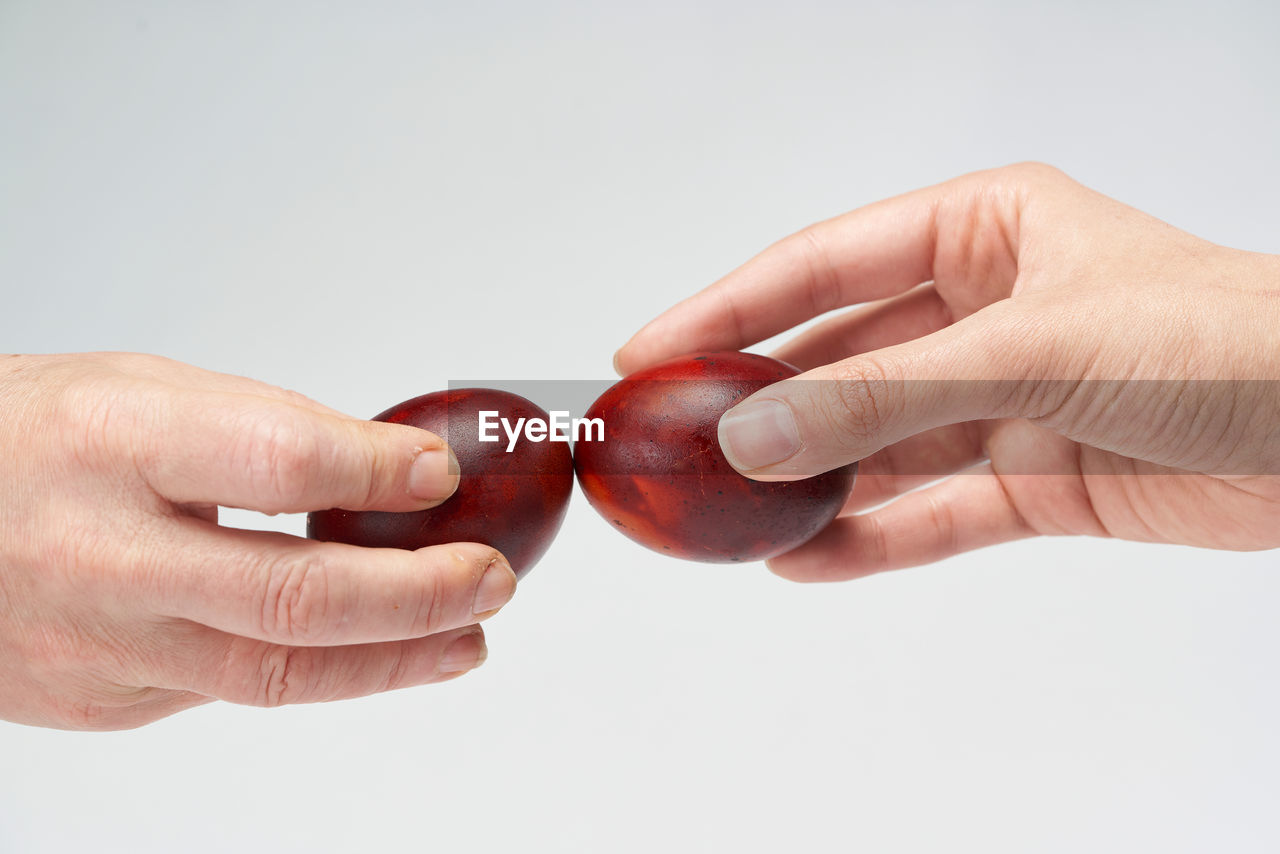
[513, 501]
[660, 477]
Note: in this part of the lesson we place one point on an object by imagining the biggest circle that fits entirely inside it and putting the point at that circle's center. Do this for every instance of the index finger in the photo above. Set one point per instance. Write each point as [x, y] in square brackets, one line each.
[240, 450]
[866, 254]
[871, 253]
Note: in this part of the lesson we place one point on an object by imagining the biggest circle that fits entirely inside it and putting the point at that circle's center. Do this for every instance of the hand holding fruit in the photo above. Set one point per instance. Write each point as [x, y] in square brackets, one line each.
[659, 477]
[514, 497]
[123, 601]
[1110, 374]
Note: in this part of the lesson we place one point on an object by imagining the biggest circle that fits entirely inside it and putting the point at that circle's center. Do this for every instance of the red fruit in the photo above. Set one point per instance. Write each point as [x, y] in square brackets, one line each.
[660, 478]
[513, 501]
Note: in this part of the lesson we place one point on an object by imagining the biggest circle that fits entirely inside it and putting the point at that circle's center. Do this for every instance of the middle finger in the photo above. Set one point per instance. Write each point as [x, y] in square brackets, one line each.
[287, 590]
[916, 461]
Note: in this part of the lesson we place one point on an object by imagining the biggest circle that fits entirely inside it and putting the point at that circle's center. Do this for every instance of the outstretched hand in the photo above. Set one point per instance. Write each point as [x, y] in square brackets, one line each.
[1058, 362]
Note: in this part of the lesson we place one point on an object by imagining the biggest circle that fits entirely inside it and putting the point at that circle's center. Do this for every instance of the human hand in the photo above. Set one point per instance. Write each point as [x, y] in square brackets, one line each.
[1110, 374]
[123, 601]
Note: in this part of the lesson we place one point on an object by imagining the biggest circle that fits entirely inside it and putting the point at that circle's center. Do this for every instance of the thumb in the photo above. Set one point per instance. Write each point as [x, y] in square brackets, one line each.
[988, 365]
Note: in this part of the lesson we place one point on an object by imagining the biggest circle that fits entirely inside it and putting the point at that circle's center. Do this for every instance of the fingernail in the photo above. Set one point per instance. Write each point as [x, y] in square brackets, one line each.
[466, 653]
[434, 475]
[758, 434]
[617, 363]
[495, 589]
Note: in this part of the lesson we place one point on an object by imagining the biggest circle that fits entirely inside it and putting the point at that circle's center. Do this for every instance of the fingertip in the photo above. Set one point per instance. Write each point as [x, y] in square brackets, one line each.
[796, 571]
[651, 344]
[758, 434]
[827, 557]
[465, 653]
[811, 570]
[496, 588]
[630, 357]
[434, 475]
[787, 569]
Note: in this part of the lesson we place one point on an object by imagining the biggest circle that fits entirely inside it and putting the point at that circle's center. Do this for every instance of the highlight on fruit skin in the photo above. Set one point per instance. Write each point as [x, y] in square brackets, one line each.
[660, 478]
[514, 501]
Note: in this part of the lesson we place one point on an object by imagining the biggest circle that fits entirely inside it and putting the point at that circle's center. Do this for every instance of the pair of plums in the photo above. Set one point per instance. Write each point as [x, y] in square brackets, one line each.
[657, 474]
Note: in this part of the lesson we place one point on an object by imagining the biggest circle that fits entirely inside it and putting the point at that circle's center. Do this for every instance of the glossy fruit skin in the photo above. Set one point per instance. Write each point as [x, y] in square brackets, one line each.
[514, 502]
[660, 477]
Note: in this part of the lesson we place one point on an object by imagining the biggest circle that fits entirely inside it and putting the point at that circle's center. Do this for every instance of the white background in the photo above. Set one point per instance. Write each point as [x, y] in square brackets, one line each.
[362, 201]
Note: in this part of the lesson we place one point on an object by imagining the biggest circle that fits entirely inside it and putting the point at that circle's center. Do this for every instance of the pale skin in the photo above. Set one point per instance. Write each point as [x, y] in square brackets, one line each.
[1066, 298]
[123, 601]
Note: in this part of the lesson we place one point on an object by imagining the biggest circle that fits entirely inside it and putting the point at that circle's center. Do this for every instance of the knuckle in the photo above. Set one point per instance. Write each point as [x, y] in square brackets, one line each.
[364, 480]
[943, 522]
[102, 708]
[83, 715]
[823, 281]
[297, 605]
[875, 551]
[1005, 188]
[285, 676]
[93, 424]
[439, 588]
[856, 401]
[293, 398]
[401, 670]
[1031, 353]
[1032, 172]
[277, 455]
[431, 608]
[94, 416]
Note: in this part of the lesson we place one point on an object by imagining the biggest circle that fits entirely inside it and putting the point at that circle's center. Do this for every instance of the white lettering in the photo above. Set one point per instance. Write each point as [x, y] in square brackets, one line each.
[586, 425]
[512, 435]
[486, 425]
[559, 425]
[561, 428]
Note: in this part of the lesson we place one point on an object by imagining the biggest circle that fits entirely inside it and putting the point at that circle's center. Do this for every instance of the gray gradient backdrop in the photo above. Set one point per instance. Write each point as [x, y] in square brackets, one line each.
[365, 201]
